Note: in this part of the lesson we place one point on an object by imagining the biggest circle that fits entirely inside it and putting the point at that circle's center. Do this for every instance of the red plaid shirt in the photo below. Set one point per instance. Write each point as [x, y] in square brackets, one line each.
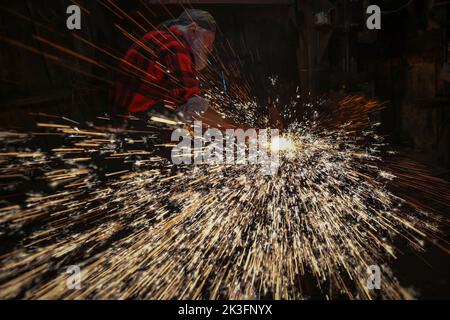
[158, 69]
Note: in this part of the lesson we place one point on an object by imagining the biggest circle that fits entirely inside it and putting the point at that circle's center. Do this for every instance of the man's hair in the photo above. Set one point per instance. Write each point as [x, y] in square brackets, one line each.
[203, 19]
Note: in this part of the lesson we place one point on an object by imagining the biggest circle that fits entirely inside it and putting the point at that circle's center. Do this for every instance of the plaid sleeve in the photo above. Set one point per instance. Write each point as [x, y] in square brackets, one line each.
[128, 93]
[158, 70]
[181, 80]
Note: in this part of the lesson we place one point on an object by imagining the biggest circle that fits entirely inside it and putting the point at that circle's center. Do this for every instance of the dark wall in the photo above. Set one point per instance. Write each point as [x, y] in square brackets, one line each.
[254, 42]
[406, 64]
[36, 76]
[412, 59]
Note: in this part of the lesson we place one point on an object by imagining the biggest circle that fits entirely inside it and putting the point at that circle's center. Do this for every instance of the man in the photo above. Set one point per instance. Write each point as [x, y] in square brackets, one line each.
[159, 72]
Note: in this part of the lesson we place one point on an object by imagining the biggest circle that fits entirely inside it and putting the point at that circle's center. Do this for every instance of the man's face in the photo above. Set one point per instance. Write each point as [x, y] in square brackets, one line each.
[202, 44]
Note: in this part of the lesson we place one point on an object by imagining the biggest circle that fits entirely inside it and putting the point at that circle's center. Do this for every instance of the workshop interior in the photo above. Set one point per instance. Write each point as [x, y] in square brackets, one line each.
[100, 201]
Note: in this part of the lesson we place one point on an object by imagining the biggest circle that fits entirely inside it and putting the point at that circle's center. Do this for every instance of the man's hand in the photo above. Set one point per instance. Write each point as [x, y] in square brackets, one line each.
[198, 108]
[193, 109]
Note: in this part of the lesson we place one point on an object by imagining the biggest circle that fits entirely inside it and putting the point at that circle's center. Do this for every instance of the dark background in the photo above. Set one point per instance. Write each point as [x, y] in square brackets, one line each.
[403, 63]
[406, 63]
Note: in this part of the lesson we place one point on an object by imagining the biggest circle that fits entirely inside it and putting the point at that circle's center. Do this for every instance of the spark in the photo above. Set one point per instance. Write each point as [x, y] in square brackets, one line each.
[140, 227]
[163, 120]
[281, 144]
[147, 229]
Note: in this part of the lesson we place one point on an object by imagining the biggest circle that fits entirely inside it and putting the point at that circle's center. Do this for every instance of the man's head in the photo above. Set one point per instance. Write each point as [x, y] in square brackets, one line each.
[199, 29]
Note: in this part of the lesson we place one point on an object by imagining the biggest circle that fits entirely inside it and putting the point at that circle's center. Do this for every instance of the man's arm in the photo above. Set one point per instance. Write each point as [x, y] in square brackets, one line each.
[198, 108]
[180, 78]
[187, 89]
